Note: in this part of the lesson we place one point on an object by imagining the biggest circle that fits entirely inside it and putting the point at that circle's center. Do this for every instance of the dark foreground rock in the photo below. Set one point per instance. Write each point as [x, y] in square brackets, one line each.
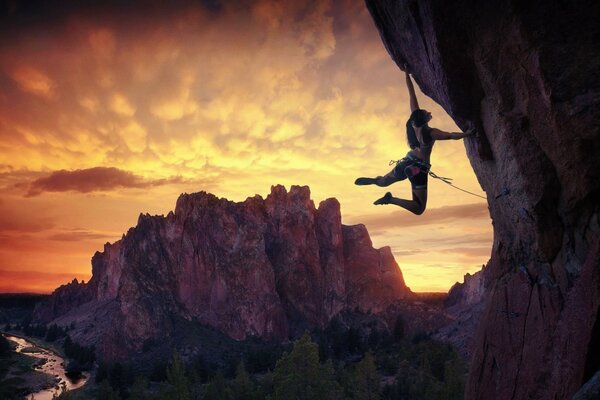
[591, 389]
[527, 76]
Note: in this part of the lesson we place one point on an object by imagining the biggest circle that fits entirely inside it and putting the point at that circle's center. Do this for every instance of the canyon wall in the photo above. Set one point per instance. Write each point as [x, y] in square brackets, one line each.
[527, 76]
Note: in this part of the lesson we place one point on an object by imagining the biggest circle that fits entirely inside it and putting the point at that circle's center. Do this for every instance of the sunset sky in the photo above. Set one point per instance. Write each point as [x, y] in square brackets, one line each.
[110, 111]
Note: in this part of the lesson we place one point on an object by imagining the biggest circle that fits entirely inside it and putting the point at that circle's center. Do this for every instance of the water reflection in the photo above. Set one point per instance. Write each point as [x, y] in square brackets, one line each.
[54, 365]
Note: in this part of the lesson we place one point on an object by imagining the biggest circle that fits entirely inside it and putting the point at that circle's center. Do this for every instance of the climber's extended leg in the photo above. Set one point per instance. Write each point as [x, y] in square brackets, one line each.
[416, 205]
[395, 175]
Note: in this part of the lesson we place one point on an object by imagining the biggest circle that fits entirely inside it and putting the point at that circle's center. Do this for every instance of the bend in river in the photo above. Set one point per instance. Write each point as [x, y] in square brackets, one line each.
[54, 366]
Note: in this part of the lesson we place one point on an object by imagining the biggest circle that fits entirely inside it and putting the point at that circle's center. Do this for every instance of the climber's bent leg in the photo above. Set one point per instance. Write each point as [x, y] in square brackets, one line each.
[416, 205]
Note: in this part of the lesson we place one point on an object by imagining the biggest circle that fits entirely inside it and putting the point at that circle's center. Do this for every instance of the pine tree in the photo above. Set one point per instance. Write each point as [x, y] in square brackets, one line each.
[329, 387]
[298, 375]
[180, 387]
[139, 389]
[217, 389]
[366, 379]
[243, 388]
[453, 382]
[264, 388]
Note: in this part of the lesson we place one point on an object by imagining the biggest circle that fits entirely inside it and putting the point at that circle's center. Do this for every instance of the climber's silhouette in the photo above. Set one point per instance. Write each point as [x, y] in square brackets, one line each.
[415, 166]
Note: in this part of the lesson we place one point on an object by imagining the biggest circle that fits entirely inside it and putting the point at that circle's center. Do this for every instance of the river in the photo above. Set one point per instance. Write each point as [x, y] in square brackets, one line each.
[54, 366]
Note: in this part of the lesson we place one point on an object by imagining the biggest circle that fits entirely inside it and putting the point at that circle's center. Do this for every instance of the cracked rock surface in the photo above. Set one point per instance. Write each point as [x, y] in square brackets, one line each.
[527, 76]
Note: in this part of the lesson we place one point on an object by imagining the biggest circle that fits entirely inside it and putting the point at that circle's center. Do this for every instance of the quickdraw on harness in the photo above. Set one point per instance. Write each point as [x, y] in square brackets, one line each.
[426, 167]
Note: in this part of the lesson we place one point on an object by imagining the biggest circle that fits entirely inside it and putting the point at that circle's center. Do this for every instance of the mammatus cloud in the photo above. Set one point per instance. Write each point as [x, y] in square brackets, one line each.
[257, 83]
[92, 180]
[33, 81]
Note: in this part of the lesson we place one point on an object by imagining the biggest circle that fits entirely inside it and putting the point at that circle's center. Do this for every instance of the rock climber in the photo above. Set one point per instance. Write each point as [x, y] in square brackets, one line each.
[415, 166]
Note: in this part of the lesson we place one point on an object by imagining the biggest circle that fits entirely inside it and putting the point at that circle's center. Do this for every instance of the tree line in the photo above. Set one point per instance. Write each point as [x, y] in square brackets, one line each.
[420, 368]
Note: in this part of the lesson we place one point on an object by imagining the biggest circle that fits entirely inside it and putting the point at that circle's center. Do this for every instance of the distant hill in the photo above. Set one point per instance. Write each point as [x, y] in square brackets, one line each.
[16, 307]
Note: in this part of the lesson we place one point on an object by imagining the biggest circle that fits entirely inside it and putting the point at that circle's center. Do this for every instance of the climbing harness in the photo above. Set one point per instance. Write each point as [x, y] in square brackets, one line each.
[426, 167]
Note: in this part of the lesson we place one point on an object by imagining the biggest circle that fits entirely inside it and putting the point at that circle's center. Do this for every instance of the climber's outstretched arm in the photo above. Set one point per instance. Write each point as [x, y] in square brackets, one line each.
[414, 104]
[438, 134]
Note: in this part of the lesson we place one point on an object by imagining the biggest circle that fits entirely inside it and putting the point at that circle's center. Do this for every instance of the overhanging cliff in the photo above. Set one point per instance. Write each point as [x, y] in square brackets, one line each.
[527, 75]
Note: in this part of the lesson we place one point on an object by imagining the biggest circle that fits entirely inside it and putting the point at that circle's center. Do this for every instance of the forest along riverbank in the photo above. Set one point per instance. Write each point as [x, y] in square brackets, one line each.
[52, 364]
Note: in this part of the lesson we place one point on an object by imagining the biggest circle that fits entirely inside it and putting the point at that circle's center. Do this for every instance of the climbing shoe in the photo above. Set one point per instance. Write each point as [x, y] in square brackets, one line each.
[365, 181]
[386, 199]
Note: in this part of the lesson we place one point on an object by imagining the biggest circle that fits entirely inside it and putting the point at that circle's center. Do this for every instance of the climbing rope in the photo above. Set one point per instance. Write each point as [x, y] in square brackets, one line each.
[441, 178]
[447, 180]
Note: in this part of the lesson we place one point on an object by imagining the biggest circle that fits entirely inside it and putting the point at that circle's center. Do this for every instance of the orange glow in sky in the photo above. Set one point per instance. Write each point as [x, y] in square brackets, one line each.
[106, 113]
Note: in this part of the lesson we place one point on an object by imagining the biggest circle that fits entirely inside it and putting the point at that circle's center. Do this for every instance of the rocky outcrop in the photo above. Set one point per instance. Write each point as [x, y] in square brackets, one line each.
[268, 268]
[467, 293]
[65, 298]
[463, 306]
[525, 74]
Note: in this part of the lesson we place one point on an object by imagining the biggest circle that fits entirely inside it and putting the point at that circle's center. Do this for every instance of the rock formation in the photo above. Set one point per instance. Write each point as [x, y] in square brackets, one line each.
[266, 268]
[526, 75]
[464, 305]
[468, 293]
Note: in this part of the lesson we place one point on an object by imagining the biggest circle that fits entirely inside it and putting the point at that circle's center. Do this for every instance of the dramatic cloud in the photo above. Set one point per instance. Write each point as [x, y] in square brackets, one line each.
[228, 97]
[33, 81]
[92, 179]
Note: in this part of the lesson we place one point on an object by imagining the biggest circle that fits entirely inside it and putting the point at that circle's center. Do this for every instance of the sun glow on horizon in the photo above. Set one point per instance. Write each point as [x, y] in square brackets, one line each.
[105, 116]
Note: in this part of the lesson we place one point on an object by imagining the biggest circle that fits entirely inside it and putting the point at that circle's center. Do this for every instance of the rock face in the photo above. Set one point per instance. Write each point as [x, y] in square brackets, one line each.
[464, 305]
[468, 293]
[527, 75]
[266, 268]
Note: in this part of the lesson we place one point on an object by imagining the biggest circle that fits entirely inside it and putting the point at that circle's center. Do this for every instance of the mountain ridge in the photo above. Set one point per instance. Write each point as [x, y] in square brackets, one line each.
[266, 268]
